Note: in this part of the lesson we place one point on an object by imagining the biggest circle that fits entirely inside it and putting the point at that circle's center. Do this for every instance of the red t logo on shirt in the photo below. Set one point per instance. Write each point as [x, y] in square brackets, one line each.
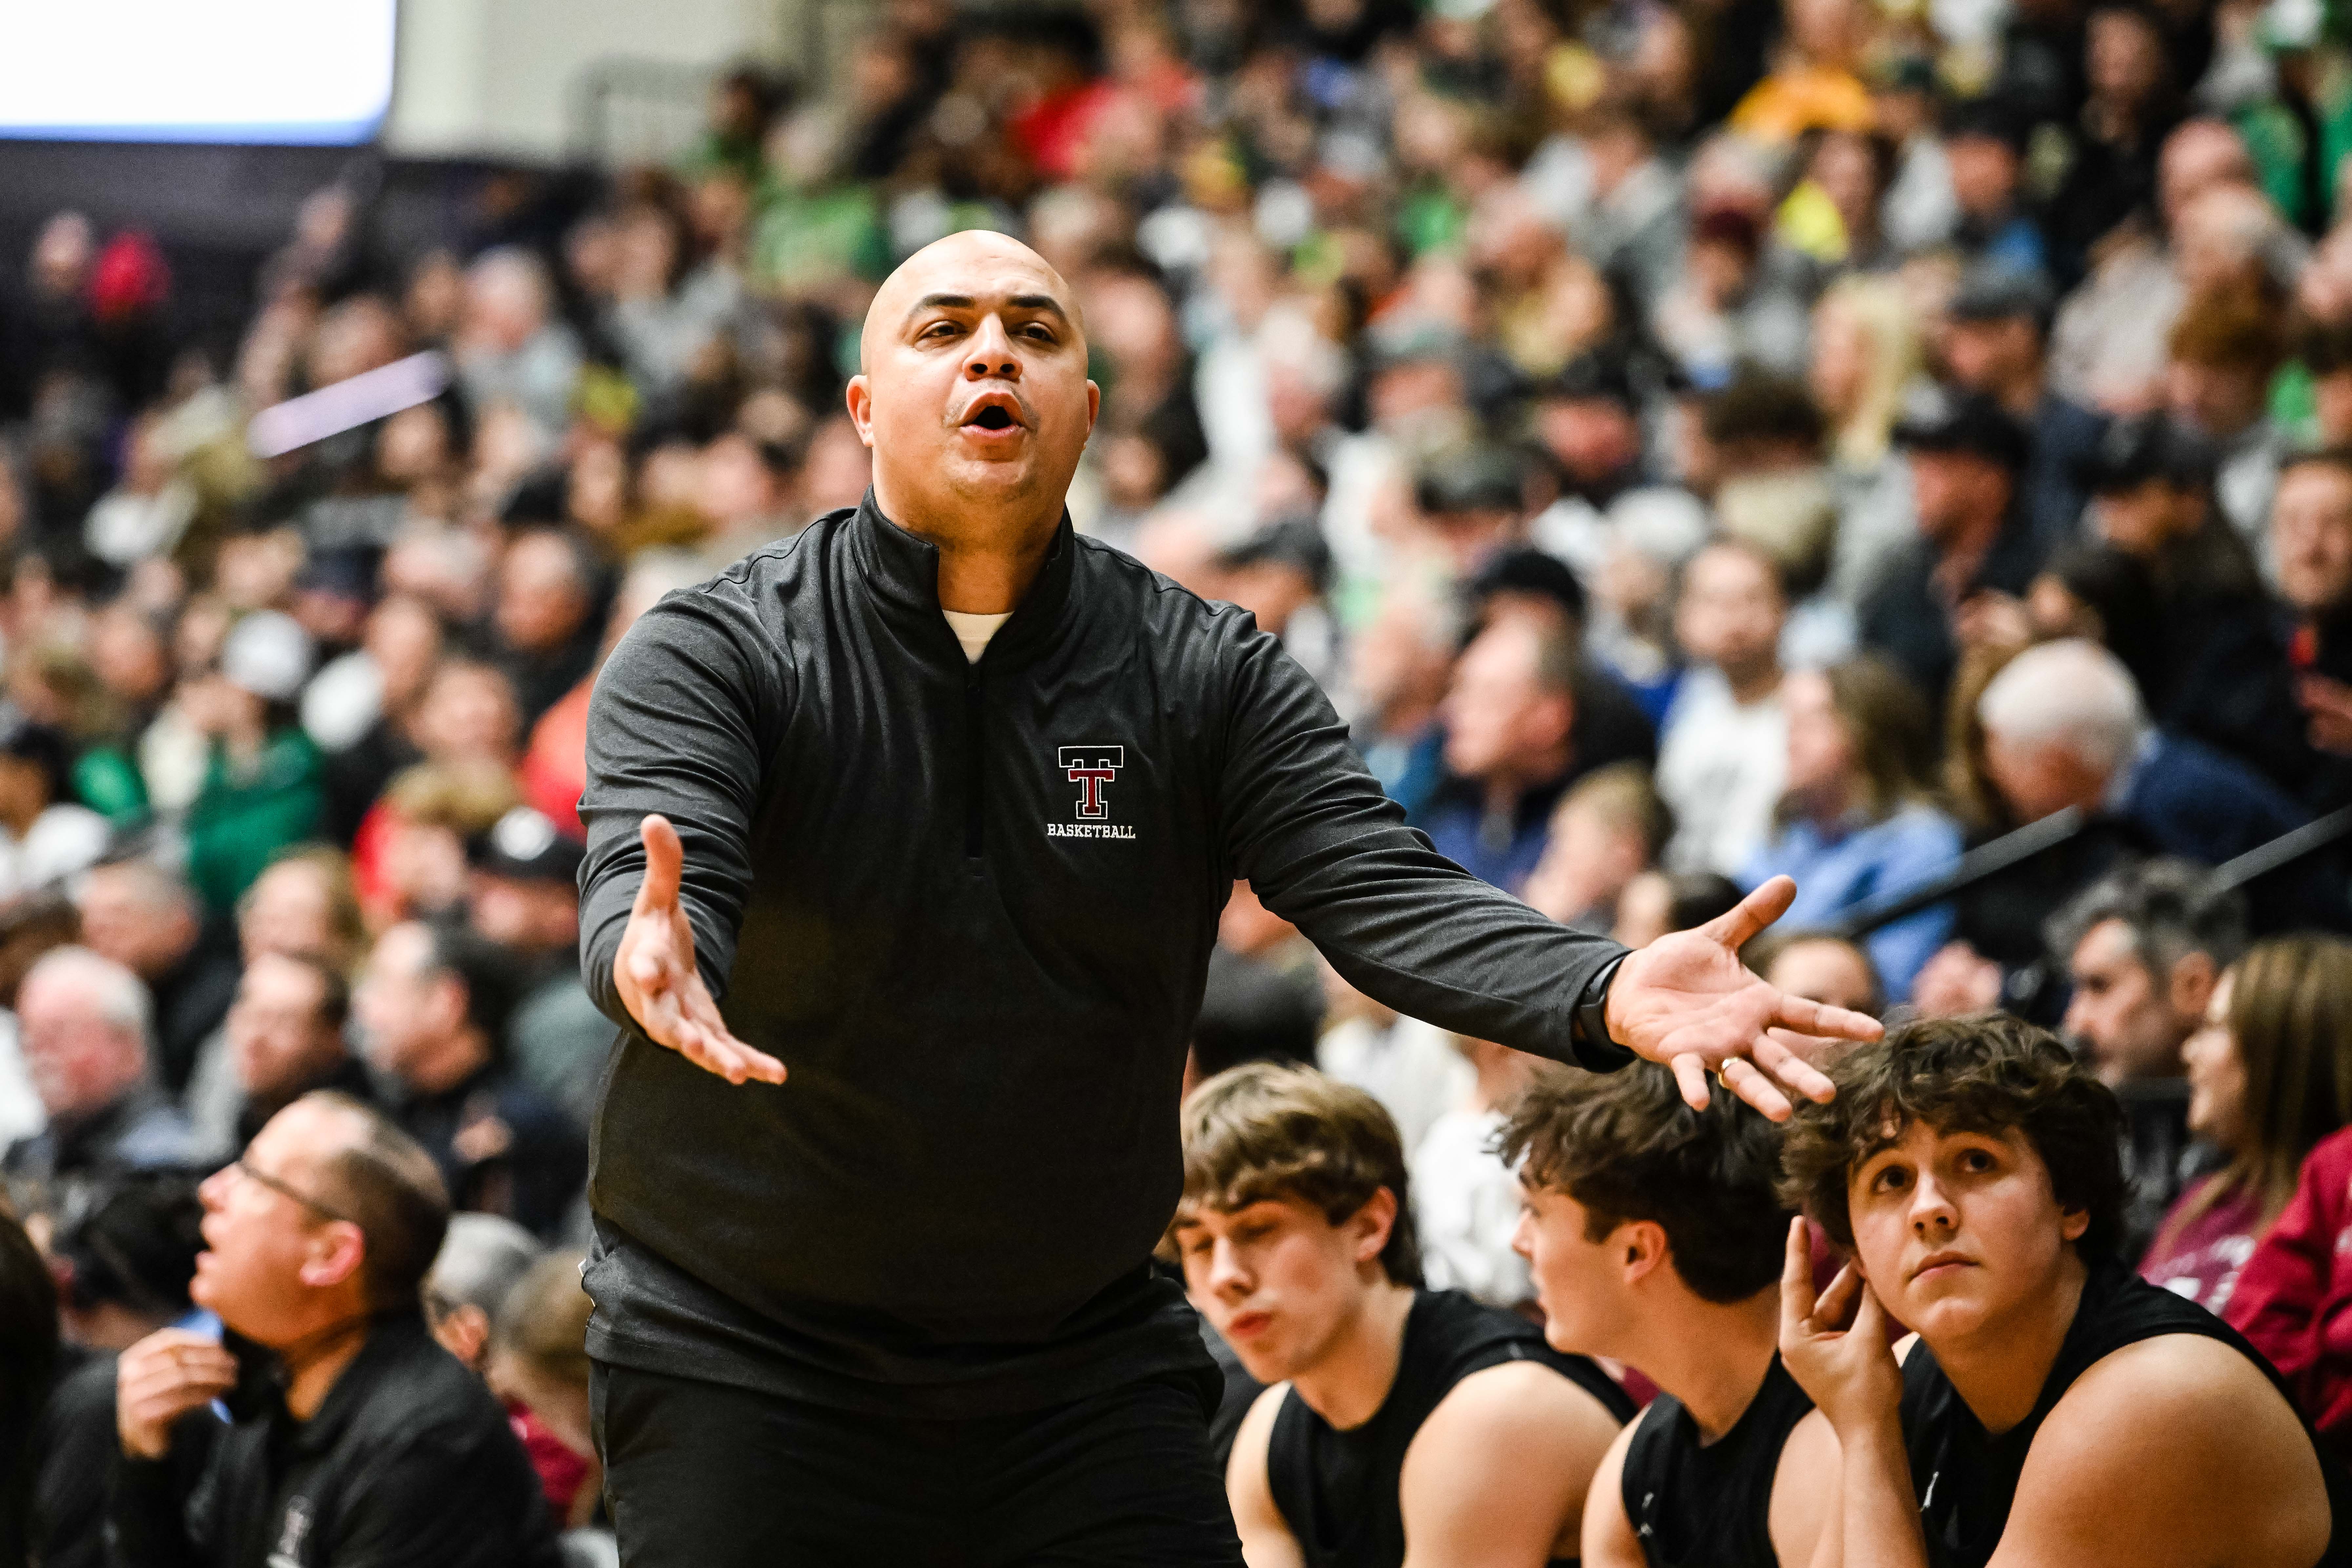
[1091, 768]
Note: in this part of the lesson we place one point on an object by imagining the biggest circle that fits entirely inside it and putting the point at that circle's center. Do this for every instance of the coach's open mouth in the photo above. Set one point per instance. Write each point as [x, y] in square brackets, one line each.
[995, 411]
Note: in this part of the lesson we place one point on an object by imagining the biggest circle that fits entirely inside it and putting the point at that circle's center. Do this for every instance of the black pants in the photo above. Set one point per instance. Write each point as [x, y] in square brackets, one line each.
[702, 1475]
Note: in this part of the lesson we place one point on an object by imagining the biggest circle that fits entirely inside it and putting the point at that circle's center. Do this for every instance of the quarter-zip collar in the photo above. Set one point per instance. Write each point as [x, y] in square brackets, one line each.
[903, 572]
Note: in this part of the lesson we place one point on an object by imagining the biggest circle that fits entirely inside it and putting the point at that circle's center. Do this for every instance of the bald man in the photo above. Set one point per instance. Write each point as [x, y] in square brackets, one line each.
[943, 800]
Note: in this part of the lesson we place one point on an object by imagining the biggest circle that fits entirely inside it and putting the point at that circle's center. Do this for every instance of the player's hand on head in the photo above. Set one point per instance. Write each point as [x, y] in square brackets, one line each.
[656, 974]
[1687, 1001]
[1836, 1344]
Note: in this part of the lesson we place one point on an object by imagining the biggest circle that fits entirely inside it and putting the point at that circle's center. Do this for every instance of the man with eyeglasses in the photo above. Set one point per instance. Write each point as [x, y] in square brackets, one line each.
[352, 1435]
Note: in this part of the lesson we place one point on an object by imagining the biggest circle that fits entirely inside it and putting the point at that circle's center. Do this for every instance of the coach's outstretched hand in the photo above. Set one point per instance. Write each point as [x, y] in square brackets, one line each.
[1686, 1000]
[654, 972]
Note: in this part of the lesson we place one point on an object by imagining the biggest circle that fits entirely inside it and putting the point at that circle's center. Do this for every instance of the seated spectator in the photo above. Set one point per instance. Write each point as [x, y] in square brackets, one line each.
[1587, 418]
[2310, 547]
[1723, 749]
[1397, 1413]
[1866, 355]
[546, 631]
[1856, 822]
[538, 1365]
[1821, 968]
[2269, 1075]
[1969, 1165]
[1985, 142]
[302, 907]
[1398, 664]
[1653, 1232]
[2063, 727]
[1967, 457]
[1607, 830]
[1280, 575]
[2225, 349]
[424, 824]
[264, 786]
[286, 1037]
[1996, 343]
[123, 1271]
[510, 347]
[2143, 949]
[481, 1258]
[45, 835]
[2214, 673]
[392, 668]
[433, 1007]
[2290, 1297]
[523, 894]
[1509, 754]
[1473, 502]
[465, 726]
[83, 1024]
[124, 1263]
[1612, 721]
[149, 921]
[1466, 1201]
[317, 1237]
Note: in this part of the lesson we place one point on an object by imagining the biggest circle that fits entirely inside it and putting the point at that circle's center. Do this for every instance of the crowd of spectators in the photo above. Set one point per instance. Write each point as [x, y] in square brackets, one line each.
[1688, 441]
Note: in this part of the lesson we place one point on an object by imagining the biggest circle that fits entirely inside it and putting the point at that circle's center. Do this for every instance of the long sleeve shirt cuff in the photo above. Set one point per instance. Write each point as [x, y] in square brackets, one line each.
[1595, 1051]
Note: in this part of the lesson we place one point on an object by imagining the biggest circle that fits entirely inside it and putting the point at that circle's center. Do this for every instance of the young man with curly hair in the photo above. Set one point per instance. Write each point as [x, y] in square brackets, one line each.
[1404, 1425]
[1653, 1231]
[2053, 1407]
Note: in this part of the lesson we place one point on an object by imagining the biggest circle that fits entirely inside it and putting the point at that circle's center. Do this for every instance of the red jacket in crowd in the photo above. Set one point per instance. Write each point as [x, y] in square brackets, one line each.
[2293, 1299]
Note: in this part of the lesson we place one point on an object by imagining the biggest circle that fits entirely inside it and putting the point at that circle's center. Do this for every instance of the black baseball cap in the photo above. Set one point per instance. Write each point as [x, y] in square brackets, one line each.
[2149, 447]
[43, 746]
[1993, 118]
[1992, 291]
[1942, 421]
[1294, 542]
[526, 844]
[1598, 376]
[1527, 571]
[1472, 479]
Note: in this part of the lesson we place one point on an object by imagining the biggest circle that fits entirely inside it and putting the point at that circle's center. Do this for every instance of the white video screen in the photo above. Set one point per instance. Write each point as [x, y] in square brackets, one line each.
[316, 71]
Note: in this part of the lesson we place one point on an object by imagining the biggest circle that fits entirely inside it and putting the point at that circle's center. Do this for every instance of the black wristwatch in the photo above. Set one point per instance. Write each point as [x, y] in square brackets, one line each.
[1595, 1051]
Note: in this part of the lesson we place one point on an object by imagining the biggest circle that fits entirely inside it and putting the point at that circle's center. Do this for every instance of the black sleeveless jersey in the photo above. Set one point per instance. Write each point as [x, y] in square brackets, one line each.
[1695, 1505]
[1338, 1491]
[1966, 1479]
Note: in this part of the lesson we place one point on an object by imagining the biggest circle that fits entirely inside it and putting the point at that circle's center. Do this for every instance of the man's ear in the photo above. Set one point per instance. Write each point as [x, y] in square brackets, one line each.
[464, 1331]
[1094, 405]
[1559, 717]
[448, 996]
[334, 1256]
[2074, 1223]
[2190, 985]
[859, 395]
[1640, 1248]
[1370, 1227]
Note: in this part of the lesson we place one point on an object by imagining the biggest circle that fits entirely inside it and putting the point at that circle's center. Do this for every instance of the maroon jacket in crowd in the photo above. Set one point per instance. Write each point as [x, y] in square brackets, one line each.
[2293, 1299]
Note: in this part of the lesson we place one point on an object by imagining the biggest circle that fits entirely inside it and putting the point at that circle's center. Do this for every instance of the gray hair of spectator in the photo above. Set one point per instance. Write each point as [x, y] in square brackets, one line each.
[2071, 692]
[481, 1257]
[2171, 908]
[390, 1187]
[119, 996]
[515, 272]
[159, 888]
